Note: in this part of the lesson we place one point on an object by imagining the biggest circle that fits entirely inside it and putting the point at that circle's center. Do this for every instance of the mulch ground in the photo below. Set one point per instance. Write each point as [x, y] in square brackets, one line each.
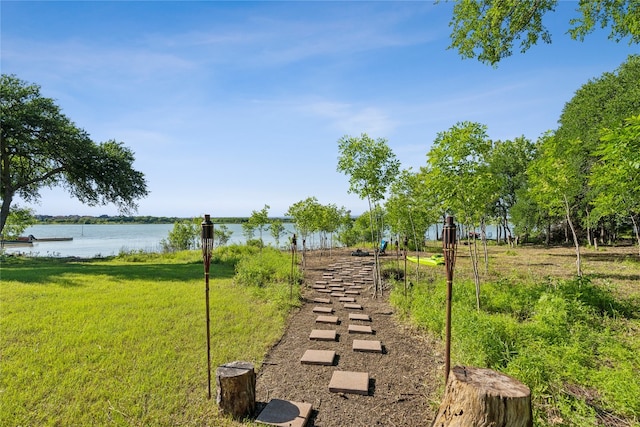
[404, 379]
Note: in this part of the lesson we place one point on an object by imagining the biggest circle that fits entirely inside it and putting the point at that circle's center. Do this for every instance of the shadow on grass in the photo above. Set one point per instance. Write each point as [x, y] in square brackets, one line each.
[57, 270]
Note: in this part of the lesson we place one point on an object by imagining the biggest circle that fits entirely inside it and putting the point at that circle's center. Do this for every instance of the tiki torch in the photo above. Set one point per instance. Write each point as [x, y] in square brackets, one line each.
[449, 249]
[207, 248]
[294, 246]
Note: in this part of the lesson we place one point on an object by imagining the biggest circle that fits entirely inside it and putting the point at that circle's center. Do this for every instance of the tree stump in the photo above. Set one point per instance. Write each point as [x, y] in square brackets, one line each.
[482, 397]
[236, 391]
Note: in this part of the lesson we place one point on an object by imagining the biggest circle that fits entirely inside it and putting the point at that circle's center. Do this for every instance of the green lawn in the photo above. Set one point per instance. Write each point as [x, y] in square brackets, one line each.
[118, 342]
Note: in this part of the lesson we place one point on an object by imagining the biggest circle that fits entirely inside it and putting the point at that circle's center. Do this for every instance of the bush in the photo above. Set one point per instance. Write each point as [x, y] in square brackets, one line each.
[267, 266]
[568, 341]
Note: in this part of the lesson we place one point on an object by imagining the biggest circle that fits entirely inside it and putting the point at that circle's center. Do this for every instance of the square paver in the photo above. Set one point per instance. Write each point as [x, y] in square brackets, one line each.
[285, 413]
[322, 300]
[326, 310]
[327, 319]
[360, 329]
[352, 306]
[323, 335]
[318, 357]
[358, 316]
[349, 382]
[367, 346]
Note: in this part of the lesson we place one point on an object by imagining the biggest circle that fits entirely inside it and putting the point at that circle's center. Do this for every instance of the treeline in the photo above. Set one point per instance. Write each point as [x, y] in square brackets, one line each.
[107, 219]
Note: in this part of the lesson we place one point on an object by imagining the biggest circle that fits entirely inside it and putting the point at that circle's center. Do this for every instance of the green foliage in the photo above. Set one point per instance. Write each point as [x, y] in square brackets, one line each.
[411, 207]
[489, 30]
[17, 221]
[458, 172]
[370, 165]
[221, 234]
[183, 236]
[615, 177]
[41, 147]
[555, 337]
[271, 266]
[259, 220]
[276, 228]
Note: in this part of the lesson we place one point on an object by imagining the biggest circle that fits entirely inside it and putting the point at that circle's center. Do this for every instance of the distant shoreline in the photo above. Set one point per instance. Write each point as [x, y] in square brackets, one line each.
[106, 219]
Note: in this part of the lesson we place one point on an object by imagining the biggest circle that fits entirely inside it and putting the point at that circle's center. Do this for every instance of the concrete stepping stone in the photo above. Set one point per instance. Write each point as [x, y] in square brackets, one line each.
[327, 310]
[347, 299]
[319, 287]
[358, 316]
[337, 294]
[285, 413]
[367, 346]
[349, 382]
[323, 335]
[336, 280]
[337, 288]
[352, 306]
[318, 357]
[360, 329]
[327, 319]
[350, 292]
[325, 291]
[322, 300]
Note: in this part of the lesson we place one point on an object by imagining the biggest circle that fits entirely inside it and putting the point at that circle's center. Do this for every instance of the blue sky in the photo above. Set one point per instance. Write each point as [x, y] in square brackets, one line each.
[229, 106]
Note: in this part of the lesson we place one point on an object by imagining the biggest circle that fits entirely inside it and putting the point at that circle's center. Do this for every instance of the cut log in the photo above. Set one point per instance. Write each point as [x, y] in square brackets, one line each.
[236, 394]
[481, 397]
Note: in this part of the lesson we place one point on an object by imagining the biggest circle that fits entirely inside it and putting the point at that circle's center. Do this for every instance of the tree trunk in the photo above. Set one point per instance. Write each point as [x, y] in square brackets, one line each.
[236, 394]
[575, 238]
[483, 230]
[635, 229]
[481, 397]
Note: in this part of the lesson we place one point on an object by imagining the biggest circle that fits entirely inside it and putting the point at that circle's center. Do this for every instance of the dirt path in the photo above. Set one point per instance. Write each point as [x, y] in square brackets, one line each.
[403, 379]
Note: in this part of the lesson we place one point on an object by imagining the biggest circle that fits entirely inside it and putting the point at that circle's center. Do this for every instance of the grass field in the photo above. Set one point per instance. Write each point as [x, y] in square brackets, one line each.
[123, 341]
[575, 343]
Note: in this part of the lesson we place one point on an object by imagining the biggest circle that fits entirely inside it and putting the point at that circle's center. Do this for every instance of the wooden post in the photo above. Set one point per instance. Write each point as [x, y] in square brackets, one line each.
[236, 394]
[482, 397]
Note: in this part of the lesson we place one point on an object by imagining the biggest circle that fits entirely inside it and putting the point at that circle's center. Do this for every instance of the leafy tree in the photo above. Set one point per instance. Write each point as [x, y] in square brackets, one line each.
[409, 210]
[41, 147]
[248, 230]
[329, 221]
[18, 221]
[602, 103]
[221, 234]
[458, 171]
[616, 175]
[489, 30]
[276, 228]
[556, 181]
[304, 216]
[508, 163]
[184, 236]
[371, 167]
[260, 220]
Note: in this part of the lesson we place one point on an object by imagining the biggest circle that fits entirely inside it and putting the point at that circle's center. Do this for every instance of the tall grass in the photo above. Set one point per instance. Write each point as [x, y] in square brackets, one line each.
[123, 341]
[574, 344]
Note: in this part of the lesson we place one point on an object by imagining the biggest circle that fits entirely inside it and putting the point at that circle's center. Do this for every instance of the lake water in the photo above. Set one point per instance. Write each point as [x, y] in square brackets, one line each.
[92, 240]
